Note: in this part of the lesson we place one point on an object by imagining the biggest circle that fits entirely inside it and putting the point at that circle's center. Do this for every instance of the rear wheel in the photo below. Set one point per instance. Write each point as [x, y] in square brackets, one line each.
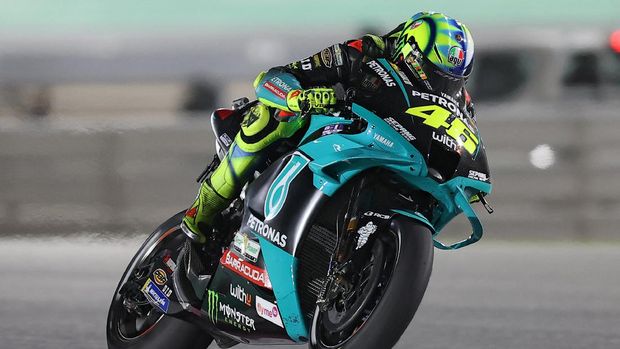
[375, 306]
[132, 321]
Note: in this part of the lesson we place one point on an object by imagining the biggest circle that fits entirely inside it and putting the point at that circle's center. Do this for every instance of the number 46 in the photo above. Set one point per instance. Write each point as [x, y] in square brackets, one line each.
[437, 117]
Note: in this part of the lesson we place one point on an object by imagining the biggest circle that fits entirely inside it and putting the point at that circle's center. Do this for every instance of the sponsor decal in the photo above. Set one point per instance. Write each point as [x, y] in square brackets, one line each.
[326, 57]
[317, 60]
[417, 24]
[160, 277]
[375, 214]
[331, 129]
[449, 98]
[379, 138]
[400, 129]
[170, 263]
[155, 295]
[338, 55]
[266, 231]
[364, 233]
[246, 270]
[167, 291]
[226, 139]
[441, 118]
[268, 311]
[281, 84]
[249, 249]
[444, 102]
[239, 293]
[274, 89]
[479, 176]
[337, 147]
[456, 56]
[447, 141]
[236, 318]
[418, 69]
[403, 77]
[213, 301]
[278, 191]
[421, 74]
[383, 74]
[306, 64]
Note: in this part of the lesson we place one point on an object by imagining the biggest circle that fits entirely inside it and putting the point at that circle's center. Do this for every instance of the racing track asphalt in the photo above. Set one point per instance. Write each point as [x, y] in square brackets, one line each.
[54, 295]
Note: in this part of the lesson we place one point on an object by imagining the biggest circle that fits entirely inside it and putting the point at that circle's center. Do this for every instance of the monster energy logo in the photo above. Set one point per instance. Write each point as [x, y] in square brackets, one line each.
[237, 318]
[213, 301]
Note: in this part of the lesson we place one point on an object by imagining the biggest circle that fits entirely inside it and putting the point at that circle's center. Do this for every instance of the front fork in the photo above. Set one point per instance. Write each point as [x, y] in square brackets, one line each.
[356, 232]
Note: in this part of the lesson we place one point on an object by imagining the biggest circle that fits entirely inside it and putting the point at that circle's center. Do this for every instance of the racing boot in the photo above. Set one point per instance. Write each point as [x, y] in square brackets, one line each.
[198, 218]
[202, 249]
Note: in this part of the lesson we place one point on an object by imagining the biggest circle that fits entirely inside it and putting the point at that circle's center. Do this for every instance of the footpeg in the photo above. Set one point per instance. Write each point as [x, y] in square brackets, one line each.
[190, 286]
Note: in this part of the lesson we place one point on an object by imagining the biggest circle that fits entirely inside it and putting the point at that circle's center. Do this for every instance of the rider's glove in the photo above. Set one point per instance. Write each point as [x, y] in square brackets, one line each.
[317, 99]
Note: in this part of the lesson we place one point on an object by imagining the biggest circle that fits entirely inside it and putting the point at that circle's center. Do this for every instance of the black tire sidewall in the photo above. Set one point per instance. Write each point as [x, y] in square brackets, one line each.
[404, 293]
[168, 332]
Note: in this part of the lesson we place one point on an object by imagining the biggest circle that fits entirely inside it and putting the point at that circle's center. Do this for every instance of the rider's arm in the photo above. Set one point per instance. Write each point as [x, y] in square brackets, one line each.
[282, 87]
[336, 63]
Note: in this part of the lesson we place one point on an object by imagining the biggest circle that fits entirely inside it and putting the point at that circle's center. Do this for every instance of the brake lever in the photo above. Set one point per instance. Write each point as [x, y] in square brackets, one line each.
[486, 205]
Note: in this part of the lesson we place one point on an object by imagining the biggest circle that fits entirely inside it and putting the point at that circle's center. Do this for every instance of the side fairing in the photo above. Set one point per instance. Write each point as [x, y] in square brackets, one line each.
[281, 202]
[261, 261]
[279, 210]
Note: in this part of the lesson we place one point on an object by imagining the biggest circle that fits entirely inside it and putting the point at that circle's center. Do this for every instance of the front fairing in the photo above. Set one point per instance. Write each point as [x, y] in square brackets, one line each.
[428, 140]
[416, 115]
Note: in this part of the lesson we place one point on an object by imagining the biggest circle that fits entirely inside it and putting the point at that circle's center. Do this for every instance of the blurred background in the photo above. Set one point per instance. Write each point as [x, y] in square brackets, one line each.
[104, 125]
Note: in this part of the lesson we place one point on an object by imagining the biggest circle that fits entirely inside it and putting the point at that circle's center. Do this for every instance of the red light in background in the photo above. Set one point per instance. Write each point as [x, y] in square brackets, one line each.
[614, 41]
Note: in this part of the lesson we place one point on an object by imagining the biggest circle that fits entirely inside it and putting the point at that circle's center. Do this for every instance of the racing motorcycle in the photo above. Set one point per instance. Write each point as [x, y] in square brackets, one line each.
[331, 244]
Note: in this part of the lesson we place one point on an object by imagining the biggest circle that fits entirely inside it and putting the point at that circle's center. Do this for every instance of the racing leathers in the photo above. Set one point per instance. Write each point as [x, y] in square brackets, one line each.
[284, 94]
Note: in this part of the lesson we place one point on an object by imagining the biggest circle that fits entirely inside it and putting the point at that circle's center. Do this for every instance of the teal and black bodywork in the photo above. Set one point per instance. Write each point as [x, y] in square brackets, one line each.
[288, 196]
[394, 151]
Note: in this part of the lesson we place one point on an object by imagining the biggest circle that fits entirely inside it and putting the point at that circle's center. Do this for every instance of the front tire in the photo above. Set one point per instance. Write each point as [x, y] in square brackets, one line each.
[155, 330]
[395, 300]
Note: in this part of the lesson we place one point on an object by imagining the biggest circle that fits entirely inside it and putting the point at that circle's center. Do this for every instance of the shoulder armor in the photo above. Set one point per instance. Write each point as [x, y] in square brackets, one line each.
[373, 46]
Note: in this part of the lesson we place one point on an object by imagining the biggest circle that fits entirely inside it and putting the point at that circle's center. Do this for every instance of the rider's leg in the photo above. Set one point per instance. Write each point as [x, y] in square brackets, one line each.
[259, 129]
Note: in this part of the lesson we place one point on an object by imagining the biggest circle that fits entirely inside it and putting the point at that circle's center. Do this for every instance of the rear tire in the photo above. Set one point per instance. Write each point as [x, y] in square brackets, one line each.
[398, 301]
[166, 332]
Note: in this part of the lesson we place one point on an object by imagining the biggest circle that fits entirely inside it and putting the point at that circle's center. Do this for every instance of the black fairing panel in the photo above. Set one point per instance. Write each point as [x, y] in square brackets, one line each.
[299, 209]
[293, 221]
[226, 283]
[442, 152]
[225, 124]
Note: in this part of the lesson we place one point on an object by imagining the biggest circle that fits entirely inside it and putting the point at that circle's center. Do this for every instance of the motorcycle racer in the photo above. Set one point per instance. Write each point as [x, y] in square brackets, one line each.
[433, 51]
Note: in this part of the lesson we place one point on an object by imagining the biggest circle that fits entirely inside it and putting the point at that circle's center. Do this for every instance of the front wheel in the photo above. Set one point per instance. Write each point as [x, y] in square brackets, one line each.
[374, 310]
[132, 322]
